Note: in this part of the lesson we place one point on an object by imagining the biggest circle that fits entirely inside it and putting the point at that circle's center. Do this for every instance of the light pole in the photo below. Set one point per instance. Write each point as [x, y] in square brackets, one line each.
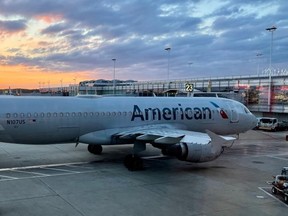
[114, 60]
[271, 29]
[168, 61]
[258, 55]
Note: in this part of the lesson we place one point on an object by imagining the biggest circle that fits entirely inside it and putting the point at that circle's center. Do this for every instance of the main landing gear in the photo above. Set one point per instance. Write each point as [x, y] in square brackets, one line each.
[133, 162]
[95, 149]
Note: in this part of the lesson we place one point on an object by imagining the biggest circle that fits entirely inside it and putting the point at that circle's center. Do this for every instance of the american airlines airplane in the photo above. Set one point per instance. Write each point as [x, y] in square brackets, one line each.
[191, 129]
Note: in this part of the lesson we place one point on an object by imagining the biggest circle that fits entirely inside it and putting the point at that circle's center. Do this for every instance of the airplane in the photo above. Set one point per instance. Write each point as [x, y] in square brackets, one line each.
[191, 129]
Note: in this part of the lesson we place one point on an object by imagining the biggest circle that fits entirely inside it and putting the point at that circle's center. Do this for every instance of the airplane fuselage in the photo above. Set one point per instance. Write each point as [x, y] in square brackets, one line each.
[45, 120]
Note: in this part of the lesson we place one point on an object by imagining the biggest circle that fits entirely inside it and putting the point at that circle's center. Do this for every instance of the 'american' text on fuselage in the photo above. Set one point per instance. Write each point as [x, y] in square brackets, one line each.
[174, 113]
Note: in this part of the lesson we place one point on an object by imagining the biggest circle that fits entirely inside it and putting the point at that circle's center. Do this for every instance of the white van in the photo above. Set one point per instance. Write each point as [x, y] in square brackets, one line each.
[266, 123]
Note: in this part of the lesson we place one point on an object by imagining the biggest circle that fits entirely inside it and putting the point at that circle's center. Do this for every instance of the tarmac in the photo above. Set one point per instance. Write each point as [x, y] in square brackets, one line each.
[64, 180]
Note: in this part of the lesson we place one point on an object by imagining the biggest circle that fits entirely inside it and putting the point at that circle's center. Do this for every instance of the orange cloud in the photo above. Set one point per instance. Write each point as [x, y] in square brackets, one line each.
[22, 76]
[50, 18]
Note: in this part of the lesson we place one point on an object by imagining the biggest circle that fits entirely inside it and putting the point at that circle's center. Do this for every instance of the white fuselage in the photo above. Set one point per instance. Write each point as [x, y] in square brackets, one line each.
[45, 120]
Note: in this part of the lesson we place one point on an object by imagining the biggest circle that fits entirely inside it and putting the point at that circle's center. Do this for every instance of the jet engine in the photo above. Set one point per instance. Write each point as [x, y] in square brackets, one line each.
[193, 152]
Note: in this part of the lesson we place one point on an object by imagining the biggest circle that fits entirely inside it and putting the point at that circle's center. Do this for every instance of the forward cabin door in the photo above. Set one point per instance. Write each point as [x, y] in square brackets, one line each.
[234, 116]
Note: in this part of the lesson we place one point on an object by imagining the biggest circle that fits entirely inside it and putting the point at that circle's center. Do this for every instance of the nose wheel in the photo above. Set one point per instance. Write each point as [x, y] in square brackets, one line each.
[133, 162]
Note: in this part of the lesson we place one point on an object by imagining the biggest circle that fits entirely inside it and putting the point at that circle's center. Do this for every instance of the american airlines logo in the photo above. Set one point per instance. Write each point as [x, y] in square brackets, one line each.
[221, 111]
[171, 113]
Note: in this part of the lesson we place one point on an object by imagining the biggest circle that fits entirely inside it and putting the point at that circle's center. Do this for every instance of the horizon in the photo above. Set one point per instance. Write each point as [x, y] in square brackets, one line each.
[50, 43]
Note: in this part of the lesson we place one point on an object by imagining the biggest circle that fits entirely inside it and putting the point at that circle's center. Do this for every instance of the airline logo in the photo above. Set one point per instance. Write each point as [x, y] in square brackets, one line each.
[177, 112]
[221, 110]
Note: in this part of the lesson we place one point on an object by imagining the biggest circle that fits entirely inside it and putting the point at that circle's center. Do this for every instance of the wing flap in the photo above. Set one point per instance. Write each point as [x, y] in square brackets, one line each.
[168, 140]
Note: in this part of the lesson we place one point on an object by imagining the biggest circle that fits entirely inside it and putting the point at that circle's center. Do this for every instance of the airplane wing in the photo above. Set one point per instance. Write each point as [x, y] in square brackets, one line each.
[169, 135]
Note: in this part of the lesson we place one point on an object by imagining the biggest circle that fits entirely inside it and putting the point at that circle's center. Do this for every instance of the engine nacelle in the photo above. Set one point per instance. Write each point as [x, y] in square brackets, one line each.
[196, 153]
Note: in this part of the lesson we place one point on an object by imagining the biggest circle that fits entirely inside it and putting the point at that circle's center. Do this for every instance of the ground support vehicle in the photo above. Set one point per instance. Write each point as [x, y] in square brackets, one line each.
[280, 185]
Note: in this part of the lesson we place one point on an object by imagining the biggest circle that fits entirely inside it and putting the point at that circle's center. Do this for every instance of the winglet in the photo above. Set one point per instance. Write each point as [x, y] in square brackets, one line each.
[216, 142]
[222, 141]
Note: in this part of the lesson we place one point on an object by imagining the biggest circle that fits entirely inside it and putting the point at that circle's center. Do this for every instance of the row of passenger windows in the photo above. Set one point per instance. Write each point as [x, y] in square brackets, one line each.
[66, 114]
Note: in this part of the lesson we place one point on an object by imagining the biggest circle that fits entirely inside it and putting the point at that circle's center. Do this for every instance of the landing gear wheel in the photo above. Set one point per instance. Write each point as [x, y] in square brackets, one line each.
[286, 198]
[274, 190]
[95, 149]
[133, 162]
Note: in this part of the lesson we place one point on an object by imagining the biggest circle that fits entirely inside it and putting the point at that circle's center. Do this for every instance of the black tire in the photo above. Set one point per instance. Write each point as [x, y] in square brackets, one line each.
[95, 149]
[286, 198]
[274, 190]
[133, 163]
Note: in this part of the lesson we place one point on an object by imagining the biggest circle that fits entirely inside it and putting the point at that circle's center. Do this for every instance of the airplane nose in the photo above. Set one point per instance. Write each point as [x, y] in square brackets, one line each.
[254, 122]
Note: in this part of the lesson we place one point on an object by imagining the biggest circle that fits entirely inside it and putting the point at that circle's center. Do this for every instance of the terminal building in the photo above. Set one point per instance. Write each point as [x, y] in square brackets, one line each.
[264, 95]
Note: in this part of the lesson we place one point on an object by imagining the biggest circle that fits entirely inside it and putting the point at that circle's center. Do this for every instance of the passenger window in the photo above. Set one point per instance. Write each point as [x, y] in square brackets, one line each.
[15, 115]
[42, 115]
[22, 115]
[61, 114]
[29, 115]
[8, 115]
[48, 115]
[73, 114]
[35, 115]
[55, 114]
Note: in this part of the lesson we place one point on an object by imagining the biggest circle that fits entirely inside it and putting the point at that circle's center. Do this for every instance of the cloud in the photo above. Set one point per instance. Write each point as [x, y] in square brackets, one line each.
[12, 26]
[220, 38]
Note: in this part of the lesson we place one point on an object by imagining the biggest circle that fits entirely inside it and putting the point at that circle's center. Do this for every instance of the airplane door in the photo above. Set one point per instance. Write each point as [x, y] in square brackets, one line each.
[234, 116]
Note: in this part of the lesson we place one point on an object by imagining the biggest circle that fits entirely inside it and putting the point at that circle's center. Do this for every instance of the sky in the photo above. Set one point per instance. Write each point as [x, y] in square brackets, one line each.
[60, 42]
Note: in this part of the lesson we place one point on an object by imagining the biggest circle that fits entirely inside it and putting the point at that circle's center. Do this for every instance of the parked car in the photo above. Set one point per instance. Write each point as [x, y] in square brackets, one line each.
[272, 124]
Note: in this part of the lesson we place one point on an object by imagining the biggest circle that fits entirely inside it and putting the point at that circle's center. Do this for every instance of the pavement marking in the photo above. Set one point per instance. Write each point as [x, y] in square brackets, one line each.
[42, 166]
[277, 157]
[7, 177]
[271, 195]
[35, 171]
